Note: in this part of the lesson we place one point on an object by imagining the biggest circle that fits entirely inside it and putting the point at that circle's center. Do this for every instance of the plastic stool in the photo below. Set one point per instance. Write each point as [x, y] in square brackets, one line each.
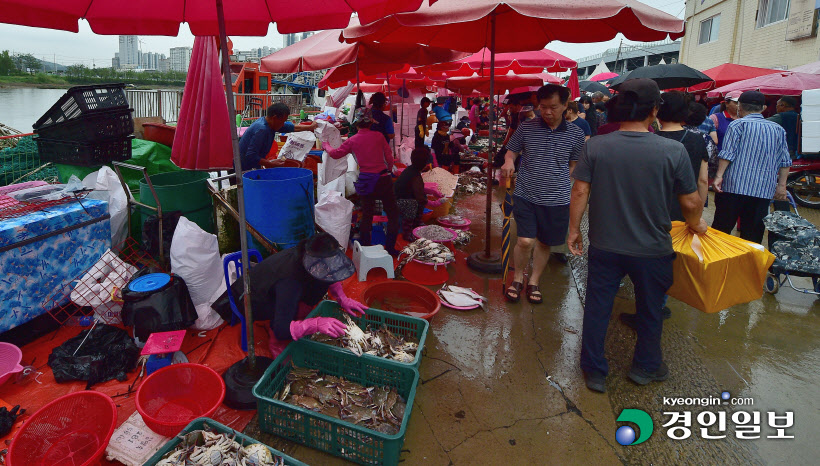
[236, 316]
[371, 257]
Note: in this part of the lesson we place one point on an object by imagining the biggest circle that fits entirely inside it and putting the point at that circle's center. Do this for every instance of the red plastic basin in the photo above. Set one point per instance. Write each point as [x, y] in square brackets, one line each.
[160, 133]
[402, 298]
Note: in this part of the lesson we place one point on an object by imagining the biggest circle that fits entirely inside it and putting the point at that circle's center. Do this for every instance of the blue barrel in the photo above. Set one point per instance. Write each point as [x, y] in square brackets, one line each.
[279, 204]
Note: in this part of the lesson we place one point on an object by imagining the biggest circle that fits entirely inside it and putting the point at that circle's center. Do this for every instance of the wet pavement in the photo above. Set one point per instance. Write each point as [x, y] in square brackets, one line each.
[504, 386]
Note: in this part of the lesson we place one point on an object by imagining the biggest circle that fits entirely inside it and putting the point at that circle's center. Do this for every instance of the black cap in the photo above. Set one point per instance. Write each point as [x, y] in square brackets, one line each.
[645, 90]
[752, 97]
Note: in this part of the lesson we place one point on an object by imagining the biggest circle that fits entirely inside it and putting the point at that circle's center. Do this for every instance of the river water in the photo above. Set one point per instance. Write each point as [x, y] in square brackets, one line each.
[21, 107]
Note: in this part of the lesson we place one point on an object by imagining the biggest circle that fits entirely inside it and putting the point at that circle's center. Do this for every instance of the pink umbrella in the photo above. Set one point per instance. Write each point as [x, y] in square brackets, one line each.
[603, 76]
[782, 83]
[532, 62]
[202, 139]
[811, 68]
[729, 73]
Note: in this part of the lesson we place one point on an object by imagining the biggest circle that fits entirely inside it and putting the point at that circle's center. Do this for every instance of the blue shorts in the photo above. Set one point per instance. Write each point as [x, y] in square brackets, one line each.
[549, 224]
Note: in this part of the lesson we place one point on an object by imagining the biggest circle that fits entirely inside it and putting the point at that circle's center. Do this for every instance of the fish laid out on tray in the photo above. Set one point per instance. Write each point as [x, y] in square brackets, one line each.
[427, 251]
[377, 408]
[202, 447]
[377, 342]
[461, 297]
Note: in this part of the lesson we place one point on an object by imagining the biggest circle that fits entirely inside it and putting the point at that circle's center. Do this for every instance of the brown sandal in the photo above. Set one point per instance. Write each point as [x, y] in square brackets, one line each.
[532, 297]
[516, 288]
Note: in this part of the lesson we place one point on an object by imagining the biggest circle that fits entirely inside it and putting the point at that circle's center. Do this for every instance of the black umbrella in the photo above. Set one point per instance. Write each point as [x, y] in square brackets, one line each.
[667, 76]
[593, 86]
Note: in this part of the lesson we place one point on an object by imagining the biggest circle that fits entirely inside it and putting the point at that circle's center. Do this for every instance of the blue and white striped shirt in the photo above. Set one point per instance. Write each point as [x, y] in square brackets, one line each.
[757, 149]
[543, 177]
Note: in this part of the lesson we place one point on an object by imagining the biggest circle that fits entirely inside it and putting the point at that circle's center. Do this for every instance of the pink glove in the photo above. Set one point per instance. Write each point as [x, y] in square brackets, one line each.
[327, 325]
[349, 305]
[433, 191]
[435, 203]
[326, 147]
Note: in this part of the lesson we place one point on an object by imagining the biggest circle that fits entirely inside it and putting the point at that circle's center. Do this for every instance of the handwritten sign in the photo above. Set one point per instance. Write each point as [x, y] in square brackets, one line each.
[133, 442]
[802, 18]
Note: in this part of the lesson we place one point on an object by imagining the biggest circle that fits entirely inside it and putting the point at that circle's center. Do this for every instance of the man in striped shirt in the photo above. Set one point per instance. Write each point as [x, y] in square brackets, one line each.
[550, 147]
[753, 168]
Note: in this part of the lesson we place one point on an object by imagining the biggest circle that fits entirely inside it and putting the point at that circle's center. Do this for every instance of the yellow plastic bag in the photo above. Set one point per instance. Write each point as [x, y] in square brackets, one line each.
[715, 271]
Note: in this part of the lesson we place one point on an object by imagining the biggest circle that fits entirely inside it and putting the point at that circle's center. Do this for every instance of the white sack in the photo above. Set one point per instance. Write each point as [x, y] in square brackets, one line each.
[333, 214]
[195, 258]
[108, 181]
[298, 145]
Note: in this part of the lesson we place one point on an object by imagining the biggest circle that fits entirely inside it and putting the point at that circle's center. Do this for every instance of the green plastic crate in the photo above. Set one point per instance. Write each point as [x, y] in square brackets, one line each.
[199, 424]
[405, 326]
[340, 438]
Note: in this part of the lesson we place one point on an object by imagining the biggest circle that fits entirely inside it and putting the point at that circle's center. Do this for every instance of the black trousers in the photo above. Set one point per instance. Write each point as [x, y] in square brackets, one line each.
[652, 277]
[383, 192]
[751, 211]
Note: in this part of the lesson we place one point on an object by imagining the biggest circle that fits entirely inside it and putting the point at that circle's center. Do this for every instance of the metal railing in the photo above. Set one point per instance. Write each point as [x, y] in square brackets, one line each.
[166, 104]
[155, 103]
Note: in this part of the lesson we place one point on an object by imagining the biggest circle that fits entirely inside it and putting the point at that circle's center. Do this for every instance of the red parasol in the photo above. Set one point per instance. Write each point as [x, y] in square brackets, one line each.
[162, 17]
[780, 83]
[202, 139]
[729, 73]
[532, 62]
[603, 76]
[503, 84]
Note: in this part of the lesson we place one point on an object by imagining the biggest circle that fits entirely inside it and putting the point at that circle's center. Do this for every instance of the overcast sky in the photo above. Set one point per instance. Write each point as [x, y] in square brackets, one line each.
[90, 49]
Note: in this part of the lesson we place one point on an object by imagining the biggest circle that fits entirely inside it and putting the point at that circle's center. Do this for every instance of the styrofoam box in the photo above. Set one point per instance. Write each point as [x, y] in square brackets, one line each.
[811, 144]
[811, 97]
[811, 129]
[810, 112]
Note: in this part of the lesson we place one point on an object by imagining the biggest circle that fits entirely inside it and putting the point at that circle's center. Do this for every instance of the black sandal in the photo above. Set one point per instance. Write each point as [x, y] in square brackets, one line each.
[531, 294]
[515, 287]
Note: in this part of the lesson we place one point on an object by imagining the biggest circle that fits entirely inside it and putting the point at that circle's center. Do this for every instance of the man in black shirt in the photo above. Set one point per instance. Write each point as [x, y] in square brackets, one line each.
[630, 178]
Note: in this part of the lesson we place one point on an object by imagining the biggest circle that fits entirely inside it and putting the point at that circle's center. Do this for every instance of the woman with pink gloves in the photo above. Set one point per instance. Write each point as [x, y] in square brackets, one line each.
[286, 286]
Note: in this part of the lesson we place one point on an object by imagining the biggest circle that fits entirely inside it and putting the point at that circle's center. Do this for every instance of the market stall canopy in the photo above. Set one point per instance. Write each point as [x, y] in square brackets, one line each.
[202, 139]
[667, 76]
[520, 24]
[811, 68]
[781, 83]
[481, 84]
[532, 62]
[163, 17]
[323, 50]
[603, 76]
[729, 73]
[593, 86]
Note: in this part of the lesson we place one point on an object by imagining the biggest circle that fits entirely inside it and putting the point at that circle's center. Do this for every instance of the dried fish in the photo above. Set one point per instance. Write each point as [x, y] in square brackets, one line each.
[434, 233]
[458, 299]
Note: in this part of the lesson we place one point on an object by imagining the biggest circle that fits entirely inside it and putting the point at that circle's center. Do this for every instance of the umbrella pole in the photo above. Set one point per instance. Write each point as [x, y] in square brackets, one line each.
[240, 194]
[487, 261]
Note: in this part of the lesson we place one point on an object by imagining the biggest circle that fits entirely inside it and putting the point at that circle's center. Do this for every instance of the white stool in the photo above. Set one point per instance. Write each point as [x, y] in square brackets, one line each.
[372, 257]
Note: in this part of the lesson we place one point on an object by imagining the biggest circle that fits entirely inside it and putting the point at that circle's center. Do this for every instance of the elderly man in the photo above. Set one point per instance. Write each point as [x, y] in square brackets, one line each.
[753, 168]
[550, 147]
[787, 117]
[260, 137]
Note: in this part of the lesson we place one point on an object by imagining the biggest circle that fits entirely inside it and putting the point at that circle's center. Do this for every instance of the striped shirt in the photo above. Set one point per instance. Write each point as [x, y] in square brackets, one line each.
[543, 177]
[757, 150]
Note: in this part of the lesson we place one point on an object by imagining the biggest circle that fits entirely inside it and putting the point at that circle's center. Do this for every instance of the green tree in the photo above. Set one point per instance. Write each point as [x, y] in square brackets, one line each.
[6, 64]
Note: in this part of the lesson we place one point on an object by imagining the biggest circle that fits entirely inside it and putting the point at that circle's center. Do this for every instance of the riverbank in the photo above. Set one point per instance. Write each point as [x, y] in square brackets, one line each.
[46, 81]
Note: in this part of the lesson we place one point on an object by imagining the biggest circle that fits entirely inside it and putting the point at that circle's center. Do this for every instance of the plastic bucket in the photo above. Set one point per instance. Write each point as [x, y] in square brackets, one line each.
[185, 191]
[10, 356]
[279, 204]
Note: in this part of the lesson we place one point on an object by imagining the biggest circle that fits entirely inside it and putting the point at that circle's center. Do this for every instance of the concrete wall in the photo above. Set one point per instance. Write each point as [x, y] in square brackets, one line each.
[740, 41]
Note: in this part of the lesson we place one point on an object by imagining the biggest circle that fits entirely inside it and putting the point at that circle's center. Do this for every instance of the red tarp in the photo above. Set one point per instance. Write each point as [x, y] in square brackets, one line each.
[729, 73]
[520, 24]
[780, 83]
[202, 140]
[162, 17]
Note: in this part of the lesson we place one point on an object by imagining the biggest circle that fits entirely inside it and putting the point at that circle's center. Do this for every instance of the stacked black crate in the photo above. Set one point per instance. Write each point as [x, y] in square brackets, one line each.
[88, 126]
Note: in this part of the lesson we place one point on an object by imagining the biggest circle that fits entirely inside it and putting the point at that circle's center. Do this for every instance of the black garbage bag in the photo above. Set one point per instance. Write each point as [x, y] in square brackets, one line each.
[108, 353]
[150, 232]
